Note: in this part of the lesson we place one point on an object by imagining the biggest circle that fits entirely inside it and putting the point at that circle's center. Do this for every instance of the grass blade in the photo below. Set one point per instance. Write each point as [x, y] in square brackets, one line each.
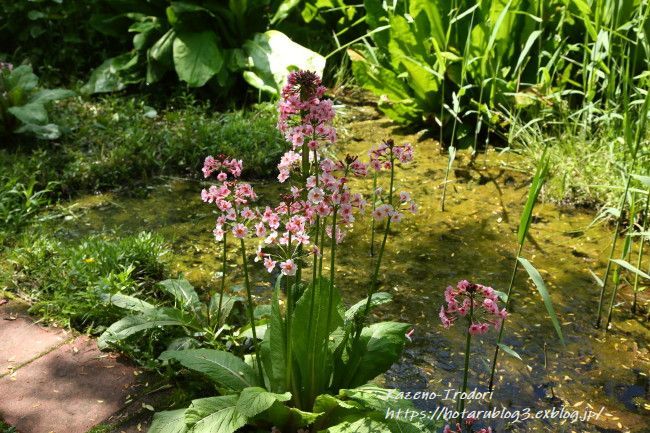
[543, 291]
[535, 188]
[510, 351]
[630, 267]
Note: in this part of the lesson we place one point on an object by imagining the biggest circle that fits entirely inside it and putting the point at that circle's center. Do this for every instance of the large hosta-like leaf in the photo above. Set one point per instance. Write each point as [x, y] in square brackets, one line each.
[273, 55]
[378, 347]
[171, 421]
[197, 57]
[223, 368]
[215, 415]
[255, 400]
[183, 292]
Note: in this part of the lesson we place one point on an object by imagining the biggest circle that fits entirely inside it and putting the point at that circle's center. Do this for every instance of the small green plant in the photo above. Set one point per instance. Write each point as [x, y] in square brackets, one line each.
[19, 203]
[188, 323]
[23, 106]
[66, 282]
[522, 233]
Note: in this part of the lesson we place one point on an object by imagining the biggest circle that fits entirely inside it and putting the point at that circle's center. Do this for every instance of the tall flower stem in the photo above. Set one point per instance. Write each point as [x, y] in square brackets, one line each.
[375, 274]
[332, 268]
[289, 325]
[251, 314]
[510, 286]
[461, 401]
[223, 282]
[374, 205]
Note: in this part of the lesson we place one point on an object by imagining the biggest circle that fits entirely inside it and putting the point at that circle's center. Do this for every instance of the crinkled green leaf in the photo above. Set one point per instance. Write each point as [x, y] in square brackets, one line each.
[223, 368]
[214, 415]
[255, 400]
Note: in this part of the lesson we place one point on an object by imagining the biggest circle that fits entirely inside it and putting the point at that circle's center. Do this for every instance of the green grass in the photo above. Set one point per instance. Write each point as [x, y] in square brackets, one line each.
[585, 169]
[120, 143]
[64, 281]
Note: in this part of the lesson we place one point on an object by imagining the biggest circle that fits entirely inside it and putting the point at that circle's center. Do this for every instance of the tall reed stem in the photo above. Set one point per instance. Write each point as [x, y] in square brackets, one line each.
[639, 259]
[611, 253]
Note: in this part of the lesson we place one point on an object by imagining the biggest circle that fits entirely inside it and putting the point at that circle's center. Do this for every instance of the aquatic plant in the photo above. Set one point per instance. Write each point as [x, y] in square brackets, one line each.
[479, 305]
[525, 221]
[312, 358]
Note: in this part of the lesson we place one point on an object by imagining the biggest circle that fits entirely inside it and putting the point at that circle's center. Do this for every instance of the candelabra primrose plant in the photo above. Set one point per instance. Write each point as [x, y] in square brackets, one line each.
[313, 359]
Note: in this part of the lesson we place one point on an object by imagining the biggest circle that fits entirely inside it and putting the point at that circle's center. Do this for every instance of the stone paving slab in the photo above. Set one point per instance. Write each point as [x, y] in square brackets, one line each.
[21, 340]
[68, 390]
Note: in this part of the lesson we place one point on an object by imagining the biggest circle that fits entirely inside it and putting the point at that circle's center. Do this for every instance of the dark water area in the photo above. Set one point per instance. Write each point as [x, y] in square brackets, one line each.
[474, 239]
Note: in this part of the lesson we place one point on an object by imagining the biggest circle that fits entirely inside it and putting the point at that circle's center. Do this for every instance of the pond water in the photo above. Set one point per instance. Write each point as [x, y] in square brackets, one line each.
[475, 239]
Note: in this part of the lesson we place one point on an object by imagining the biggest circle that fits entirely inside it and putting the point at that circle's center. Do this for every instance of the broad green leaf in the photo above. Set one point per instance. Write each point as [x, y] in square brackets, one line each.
[223, 368]
[379, 298]
[214, 415]
[228, 304]
[379, 346]
[127, 302]
[310, 335]
[162, 49]
[49, 95]
[108, 77]
[273, 55]
[22, 78]
[541, 288]
[171, 421]
[33, 113]
[183, 292]
[253, 401]
[197, 57]
[630, 267]
[509, 350]
[274, 344]
[130, 325]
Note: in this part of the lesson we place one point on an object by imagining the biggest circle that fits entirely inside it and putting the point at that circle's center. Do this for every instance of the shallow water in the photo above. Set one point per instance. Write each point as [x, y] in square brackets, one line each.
[475, 239]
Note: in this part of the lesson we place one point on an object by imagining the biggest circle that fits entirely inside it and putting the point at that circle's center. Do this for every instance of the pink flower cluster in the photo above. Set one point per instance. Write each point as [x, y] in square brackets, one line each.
[230, 197]
[482, 300]
[223, 165]
[384, 155]
[304, 118]
[385, 210]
